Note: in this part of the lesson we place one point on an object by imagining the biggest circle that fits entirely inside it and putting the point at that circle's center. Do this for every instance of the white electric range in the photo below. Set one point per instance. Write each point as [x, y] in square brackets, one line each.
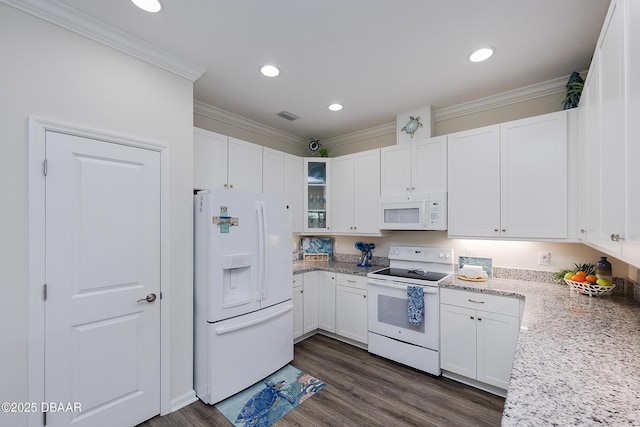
[391, 335]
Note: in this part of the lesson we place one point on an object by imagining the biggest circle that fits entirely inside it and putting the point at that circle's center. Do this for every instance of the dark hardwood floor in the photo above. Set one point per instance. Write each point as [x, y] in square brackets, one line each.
[364, 390]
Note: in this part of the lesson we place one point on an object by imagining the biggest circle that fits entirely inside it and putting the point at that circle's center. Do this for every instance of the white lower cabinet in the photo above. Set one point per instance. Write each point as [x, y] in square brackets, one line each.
[298, 305]
[318, 301]
[310, 302]
[478, 334]
[327, 301]
[351, 307]
[332, 302]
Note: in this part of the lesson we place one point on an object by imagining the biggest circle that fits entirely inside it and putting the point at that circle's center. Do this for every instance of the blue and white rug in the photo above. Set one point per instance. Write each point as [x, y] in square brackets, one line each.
[266, 402]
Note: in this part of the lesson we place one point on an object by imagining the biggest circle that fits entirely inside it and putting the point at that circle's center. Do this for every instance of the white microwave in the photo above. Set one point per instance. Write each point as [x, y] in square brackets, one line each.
[425, 211]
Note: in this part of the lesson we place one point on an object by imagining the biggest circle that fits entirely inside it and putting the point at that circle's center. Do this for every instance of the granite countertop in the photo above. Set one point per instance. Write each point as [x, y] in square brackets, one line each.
[577, 361]
[335, 266]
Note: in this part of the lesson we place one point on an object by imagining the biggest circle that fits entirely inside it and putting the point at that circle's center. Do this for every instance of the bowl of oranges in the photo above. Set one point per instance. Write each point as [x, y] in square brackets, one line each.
[588, 283]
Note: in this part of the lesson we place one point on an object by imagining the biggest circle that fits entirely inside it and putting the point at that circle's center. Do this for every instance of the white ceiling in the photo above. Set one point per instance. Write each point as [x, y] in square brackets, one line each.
[377, 57]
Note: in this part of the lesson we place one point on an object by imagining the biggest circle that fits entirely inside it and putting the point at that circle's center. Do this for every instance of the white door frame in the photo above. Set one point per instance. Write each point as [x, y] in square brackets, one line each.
[36, 254]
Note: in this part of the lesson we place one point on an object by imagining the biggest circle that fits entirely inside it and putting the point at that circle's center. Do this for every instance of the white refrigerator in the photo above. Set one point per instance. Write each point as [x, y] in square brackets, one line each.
[243, 313]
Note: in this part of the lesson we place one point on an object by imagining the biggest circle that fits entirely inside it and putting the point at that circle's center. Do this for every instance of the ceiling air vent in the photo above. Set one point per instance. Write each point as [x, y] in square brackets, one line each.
[287, 115]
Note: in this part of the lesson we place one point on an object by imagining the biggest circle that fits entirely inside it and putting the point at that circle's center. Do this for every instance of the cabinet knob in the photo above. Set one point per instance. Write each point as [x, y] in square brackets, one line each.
[495, 229]
[504, 230]
[479, 319]
[230, 185]
[471, 317]
[408, 188]
[364, 296]
[582, 231]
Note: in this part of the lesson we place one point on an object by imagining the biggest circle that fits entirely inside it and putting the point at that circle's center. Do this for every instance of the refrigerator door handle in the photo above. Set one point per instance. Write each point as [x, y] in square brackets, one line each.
[263, 250]
[226, 329]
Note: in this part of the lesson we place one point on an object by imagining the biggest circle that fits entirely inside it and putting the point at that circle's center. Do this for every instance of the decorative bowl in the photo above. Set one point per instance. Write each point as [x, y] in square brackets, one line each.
[590, 289]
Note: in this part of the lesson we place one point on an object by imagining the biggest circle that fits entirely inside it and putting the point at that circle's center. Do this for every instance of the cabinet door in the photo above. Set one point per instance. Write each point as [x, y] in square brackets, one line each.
[209, 159]
[496, 344]
[395, 170]
[245, 166]
[458, 340]
[294, 188]
[317, 197]
[351, 313]
[273, 171]
[327, 301]
[310, 299]
[590, 145]
[429, 165]
[366, 191]
[298, 311]
[342, 194]
[631, 244]
[611, 153]
[534, 177]
[473, 168]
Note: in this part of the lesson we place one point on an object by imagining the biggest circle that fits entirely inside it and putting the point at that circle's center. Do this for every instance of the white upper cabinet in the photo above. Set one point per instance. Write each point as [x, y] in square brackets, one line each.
[273, 171]
[226, 162]
[609, 121]
[245, 166]
[474, 182]
[534, 177]
[317, 178]
[282, 175]
[510, 180]
[416, 167]
[209, 159]
[294, 188]
[631, 246]
[355, 193]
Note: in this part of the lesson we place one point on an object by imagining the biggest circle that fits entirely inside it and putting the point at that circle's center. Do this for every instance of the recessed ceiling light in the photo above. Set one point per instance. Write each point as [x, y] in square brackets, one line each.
[148, 5]
[269, 71]
[335, 107]
[481, 54]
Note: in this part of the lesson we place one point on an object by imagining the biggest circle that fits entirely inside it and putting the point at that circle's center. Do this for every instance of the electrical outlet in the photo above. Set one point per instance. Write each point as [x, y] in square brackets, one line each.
[543, 258]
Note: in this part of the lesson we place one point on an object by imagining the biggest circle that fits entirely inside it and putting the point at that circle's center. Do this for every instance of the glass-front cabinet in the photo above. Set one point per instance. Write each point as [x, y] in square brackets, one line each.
[316, 195]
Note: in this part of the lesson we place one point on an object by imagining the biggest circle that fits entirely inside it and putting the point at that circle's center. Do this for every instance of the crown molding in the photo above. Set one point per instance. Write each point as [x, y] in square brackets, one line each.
[80, 23]
[526, 93]
[349, 138]
[238, 121]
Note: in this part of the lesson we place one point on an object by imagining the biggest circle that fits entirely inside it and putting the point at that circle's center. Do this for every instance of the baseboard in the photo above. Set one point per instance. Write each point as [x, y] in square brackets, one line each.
[477, 384]
[184, 400]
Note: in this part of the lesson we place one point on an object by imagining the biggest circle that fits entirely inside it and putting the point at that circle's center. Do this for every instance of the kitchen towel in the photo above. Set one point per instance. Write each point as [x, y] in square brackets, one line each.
[415, 304]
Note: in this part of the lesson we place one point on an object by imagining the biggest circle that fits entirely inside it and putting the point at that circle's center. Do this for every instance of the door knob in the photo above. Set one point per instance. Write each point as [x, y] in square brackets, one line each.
[148, 298]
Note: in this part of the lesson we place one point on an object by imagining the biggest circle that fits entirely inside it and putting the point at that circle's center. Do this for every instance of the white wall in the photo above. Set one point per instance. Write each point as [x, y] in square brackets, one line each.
[509, 254]
[54, 74]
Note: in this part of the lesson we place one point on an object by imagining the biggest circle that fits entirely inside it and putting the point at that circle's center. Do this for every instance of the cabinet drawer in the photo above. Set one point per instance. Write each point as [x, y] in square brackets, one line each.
[481, 301]
[297, 279]
[359, 282]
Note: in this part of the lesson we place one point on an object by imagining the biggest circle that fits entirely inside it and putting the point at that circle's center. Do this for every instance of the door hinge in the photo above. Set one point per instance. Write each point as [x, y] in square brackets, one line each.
[44, 292]
[44, 167]
[44, 418]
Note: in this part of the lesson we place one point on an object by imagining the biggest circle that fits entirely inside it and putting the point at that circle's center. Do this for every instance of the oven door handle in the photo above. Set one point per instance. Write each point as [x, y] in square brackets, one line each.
[399, 285]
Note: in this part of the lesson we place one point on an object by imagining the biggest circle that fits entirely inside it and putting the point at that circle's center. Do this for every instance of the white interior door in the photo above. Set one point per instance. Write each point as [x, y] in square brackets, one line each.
[102, 338]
